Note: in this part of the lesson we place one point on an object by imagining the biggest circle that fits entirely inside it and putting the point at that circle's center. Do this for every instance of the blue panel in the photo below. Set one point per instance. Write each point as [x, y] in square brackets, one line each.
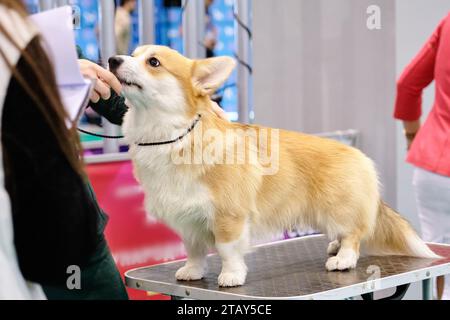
[168, 26]
[134, 28]
[32, 6]
[221, 12]
[168, 31]
[87, 35]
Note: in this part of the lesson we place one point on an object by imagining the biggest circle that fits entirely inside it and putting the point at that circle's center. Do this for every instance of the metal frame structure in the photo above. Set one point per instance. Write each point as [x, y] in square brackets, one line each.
[193, 20]
[60, 3]
[50, 4]
[146, 22]
[46, 4]
[108, 49]
[242, 10]
[193, 36]
[350, 136]
[193, 16]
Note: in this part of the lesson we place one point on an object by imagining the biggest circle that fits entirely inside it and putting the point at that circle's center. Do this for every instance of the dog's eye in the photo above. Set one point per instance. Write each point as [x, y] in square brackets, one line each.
[154, 62]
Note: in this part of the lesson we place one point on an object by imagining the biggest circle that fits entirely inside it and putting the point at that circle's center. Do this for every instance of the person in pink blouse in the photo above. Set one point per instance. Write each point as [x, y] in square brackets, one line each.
[429, 144]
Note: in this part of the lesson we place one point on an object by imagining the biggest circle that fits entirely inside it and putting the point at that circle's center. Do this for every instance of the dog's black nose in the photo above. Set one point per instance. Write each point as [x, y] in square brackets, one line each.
[114, 63]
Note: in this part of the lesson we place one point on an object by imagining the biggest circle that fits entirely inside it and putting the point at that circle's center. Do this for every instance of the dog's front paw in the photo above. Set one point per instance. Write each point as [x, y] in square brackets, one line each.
[333, 247]
[190, 273]
[232, 279]
[341, 263]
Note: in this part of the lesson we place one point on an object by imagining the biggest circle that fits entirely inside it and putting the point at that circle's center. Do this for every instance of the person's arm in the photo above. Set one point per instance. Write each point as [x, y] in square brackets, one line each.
[414, 79]
[55, 221]
[112, 109]
[105, 99]
[411, 128]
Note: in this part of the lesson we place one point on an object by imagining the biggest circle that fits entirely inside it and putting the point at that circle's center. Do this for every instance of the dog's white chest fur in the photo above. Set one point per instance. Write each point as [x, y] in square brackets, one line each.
[170, 191]
[173, 195]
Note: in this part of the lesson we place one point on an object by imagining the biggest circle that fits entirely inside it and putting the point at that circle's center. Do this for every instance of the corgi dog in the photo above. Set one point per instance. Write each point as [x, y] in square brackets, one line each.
[178, 148]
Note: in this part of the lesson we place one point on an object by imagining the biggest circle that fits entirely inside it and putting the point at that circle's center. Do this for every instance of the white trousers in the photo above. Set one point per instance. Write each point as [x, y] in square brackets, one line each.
[432, 192]
[12, 285]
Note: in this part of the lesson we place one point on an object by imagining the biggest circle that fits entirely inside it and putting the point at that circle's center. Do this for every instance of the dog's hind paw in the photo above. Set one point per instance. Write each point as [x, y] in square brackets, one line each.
[232, 279]
[190, 273]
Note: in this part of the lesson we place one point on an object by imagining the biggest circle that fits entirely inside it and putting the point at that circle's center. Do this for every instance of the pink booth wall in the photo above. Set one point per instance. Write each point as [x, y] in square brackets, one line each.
[135, 239]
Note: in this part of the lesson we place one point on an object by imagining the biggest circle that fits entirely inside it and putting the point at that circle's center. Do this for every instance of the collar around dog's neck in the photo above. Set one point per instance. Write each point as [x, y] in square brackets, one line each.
[151, 144]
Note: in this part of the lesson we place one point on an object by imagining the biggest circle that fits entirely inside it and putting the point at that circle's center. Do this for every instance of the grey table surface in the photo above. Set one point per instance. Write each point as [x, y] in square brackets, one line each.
[294, 269]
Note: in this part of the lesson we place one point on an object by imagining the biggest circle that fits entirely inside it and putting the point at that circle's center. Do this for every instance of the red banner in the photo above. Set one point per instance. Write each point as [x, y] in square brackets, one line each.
[135, 239]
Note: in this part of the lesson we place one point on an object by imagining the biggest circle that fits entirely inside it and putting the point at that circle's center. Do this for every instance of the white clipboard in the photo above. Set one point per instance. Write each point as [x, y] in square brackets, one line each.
[56, 29]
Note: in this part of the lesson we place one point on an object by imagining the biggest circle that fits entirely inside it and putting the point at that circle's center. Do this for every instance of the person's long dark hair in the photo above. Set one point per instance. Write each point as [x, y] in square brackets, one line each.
[44, 91]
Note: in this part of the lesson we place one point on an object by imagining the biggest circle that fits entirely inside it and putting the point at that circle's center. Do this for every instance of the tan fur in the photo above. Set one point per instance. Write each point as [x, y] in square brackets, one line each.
[389, 236]
[315, 186]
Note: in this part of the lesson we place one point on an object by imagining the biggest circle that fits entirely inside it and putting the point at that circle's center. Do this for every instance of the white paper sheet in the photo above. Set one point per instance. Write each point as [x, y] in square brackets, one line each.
[56, 29]
[75, 99]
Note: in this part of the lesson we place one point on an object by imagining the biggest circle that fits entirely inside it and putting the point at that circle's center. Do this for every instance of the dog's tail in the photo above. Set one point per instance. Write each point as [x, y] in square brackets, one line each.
[394, 236]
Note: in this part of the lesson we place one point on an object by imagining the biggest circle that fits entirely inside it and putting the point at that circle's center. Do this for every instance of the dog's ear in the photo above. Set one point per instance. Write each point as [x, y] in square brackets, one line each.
[209, 74]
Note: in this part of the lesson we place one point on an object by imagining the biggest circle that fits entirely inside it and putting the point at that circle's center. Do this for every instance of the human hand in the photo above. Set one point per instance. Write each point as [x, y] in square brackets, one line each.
[104, 80]
[409, 140]
[411, 130]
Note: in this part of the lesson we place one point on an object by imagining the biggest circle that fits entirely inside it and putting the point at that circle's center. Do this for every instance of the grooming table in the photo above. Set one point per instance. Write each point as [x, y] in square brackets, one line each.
[295, 270]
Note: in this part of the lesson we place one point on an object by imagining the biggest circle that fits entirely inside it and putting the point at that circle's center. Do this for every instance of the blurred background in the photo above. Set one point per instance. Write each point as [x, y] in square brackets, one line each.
[304, 65]
[167, 19]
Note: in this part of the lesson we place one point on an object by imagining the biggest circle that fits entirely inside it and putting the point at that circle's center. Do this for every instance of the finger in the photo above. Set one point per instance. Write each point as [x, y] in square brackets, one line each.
[109, 78]
[89, 73]
[102, 89]
[95, 97]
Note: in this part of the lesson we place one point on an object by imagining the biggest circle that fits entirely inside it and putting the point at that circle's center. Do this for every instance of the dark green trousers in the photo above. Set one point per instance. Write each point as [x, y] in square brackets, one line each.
[100, 279]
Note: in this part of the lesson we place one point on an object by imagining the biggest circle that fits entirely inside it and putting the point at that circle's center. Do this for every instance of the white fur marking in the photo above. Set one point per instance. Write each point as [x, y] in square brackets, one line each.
[191, 271]
[345, 259]
[333, 247]
[234, 270]
[419, 248]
